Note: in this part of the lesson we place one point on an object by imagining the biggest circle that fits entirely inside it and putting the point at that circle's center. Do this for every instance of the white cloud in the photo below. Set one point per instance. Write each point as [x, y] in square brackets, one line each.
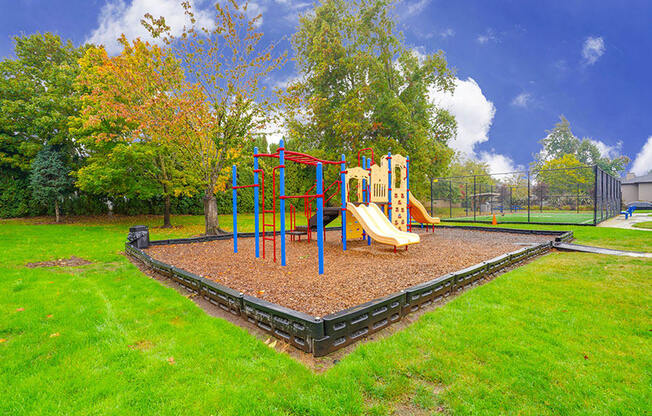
[474, 114]
[592, 50]
[273, 128]
[522, 100]
[561, 65]
[295, 5]
[294, 9]
[643, 161]
[472, 110]
[447, 33]
[489, 35]
[118, 17]
[414, 7]
[606, 150]
[419, 52]
[255, 9]
[498, 163]
[285, 82]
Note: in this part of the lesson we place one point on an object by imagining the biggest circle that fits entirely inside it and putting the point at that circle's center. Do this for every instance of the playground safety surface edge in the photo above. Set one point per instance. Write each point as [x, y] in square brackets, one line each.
[321, 336]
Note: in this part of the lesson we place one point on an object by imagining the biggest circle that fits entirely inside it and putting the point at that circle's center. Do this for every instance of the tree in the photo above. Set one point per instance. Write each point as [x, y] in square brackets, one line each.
[228, 63]
[561, 141]
[37, 95]
[464, 166]
[562, 177]
[130, 117]
[134, 170]
[360, 86]
[464, 173]
[49, 179]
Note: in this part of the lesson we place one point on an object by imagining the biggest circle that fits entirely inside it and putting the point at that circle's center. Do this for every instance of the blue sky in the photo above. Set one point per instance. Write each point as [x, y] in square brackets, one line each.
[520, 63]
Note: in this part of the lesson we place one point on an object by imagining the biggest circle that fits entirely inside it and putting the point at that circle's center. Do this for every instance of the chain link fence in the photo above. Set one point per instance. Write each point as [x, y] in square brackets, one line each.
[582, 195]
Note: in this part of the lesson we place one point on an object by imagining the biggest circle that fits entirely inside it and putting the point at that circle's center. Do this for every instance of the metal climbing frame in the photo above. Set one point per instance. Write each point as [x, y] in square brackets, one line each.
[318, 197]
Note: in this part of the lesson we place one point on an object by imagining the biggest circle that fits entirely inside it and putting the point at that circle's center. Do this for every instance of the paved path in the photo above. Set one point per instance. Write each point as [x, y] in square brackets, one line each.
[600, 250]
[619, 221]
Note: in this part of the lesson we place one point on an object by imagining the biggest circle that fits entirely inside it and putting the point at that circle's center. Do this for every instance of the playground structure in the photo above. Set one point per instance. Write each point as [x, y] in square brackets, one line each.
[381, 213]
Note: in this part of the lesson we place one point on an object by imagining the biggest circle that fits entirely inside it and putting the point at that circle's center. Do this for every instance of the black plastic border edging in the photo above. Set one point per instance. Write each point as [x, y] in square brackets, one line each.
[321, 336]
[295, 327]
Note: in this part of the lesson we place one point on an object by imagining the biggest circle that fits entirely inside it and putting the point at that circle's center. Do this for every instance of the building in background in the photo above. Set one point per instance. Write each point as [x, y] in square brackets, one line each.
[637, 188]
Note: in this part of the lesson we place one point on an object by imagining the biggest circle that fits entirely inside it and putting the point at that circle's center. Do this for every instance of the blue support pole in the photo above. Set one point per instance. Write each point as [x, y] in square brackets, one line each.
[344, 200]
[320, 217]
[364, 181]
[364, 193]
[407, 175]
[281, 191]
[235, 209]
[256, 203]
[389, 186]
[367, 162]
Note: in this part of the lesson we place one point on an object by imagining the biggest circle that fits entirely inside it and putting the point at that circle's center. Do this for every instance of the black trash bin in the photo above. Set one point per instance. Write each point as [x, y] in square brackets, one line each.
[139, 236]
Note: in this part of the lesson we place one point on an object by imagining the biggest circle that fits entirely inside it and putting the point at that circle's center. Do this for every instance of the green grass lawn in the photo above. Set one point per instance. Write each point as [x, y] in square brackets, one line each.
[616, 238]
[644, 224]
[566, 334]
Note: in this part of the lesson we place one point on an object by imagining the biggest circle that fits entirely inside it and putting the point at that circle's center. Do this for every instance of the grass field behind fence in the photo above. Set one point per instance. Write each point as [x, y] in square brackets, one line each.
[550, 216]
[566, 334]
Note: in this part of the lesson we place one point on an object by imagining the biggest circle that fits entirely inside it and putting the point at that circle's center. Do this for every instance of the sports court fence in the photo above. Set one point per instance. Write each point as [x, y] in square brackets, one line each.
[566, 196]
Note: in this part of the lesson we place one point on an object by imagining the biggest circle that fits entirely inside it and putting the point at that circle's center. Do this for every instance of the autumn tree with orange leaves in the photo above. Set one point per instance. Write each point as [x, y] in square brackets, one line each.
[226, 63]
[134, 106]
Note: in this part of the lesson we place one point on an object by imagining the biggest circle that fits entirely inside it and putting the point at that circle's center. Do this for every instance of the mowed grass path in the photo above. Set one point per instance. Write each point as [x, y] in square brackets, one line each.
[566, 334]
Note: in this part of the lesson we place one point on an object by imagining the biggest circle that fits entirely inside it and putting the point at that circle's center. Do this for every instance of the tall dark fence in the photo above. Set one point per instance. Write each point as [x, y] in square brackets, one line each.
[583, 195]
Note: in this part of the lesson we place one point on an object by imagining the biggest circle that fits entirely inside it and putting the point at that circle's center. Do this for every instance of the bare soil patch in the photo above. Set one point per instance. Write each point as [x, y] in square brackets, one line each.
[360, 274]
[73, 261]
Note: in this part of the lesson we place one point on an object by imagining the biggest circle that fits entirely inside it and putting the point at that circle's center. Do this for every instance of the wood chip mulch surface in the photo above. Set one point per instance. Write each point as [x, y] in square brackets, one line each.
[358, 275]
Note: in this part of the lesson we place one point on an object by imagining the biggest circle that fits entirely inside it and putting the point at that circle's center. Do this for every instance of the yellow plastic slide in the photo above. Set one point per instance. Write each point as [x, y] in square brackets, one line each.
[419, 213]
[379, 228]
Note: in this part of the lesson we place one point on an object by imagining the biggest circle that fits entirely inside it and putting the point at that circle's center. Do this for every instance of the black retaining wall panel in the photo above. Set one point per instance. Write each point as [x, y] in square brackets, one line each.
[497, 263]
[296, 328]
[223, 297]
[350, 325]
[423, 295]
[467, 277]
[321, 336]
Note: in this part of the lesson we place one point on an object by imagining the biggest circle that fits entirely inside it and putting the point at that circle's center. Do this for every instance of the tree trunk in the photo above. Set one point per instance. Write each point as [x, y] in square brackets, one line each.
[165, 180]
[56, 210]
[166, 213]
[210, 213]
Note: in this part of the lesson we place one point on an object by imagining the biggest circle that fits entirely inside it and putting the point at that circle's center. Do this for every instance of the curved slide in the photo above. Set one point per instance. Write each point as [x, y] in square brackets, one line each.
[374, 222]
[418, 212]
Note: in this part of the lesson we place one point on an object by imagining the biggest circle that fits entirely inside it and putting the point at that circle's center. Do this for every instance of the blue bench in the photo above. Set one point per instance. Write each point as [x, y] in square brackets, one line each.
[628, 212]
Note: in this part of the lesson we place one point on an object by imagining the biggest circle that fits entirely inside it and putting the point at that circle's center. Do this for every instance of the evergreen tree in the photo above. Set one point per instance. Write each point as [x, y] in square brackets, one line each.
[50, 179]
